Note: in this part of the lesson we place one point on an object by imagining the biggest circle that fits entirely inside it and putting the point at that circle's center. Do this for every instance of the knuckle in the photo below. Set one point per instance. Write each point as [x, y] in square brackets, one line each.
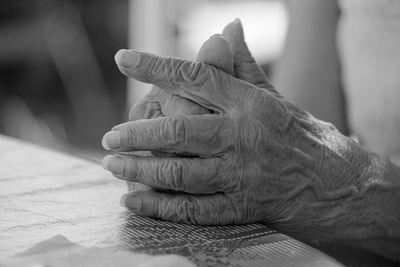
[193, 211]
[170, 174]
[194, 72]
[235, 210]
[156, 66]
[176, 69]
[190, 211]
[160, 174]
[164, 176]
[176, 131]
[167, 209]
[131, 136]
[176, 172]
[189, 71]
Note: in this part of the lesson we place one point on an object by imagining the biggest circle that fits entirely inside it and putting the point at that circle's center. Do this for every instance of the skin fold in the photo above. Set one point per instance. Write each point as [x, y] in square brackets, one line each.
[242, 153]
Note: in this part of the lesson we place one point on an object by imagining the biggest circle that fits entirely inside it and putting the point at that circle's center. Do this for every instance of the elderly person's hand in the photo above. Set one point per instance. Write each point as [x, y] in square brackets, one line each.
[227, 52]
[157, 103]
[259, 158]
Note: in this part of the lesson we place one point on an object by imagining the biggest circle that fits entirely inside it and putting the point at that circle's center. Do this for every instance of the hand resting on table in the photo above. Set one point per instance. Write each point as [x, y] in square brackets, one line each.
[258, 157]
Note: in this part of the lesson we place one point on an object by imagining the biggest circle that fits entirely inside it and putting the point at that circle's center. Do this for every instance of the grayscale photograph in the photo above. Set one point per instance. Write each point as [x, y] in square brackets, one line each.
[164, 133]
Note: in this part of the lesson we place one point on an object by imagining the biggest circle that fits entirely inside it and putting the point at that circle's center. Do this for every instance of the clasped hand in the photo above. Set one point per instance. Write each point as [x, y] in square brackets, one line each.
[226, 150]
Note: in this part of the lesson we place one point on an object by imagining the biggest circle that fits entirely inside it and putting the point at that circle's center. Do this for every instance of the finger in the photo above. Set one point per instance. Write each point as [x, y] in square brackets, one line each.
[132, 186]
[217, 52]
[190, 175]
[214, 209]
[159, 104]
[205, 135]
[176, 105]
[147, 108]
[246, 67]
[196, 81]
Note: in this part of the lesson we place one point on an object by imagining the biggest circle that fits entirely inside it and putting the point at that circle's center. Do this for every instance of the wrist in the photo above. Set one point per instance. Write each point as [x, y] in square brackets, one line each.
[354, 195]
[363, 207]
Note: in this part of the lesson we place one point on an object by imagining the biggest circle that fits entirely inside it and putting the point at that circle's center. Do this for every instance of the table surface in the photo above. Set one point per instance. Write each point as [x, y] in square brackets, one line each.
[45, 193]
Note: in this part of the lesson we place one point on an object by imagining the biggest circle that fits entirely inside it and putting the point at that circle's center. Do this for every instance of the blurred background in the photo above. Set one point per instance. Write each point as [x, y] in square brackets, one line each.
[59, 86]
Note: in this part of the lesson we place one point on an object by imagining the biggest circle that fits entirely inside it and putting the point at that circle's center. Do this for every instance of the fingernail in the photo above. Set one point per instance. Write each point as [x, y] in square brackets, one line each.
[112, 164]
[111, 140]
[127, 58]
[131, 201]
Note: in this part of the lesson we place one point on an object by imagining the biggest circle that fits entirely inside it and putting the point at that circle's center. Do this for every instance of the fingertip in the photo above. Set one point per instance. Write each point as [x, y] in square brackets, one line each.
[122, 201]
[132, 202]
[234, 22]
[111, 140]
[113, 164]
[105, 162]
[104, 143]
[234, 31]
[216, 51]
[118, 56]
[127, 58]
[237, 20]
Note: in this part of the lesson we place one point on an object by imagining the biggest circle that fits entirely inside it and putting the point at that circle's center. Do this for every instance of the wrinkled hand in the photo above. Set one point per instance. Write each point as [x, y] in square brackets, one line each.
[259, 157]
[227, 52]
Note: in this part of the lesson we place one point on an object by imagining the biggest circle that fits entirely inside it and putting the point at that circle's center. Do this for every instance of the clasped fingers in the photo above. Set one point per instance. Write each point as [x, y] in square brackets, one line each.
[190, 175]
[205, 135]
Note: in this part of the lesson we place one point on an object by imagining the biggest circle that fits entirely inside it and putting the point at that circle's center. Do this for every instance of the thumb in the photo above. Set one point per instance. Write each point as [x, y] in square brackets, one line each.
[246, 67]
[217, 52]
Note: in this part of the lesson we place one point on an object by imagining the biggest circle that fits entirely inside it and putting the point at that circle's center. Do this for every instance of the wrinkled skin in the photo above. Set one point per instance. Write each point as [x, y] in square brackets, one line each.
[254, 156]
[227, 52]
[158, 103]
